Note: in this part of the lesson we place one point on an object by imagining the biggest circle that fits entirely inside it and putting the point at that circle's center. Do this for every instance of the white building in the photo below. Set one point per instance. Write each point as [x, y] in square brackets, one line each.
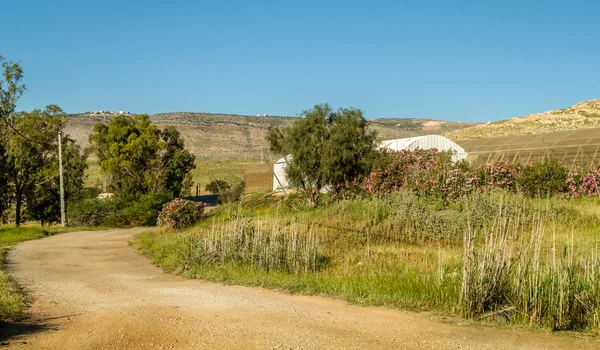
[279, 177]
[441, 143]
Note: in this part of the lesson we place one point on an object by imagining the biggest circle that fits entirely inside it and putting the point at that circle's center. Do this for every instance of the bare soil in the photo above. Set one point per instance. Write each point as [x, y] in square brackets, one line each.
[92, 290]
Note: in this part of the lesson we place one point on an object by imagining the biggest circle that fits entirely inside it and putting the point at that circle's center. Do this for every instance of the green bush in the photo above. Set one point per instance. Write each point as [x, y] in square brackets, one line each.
[137, 210]
[131, 210]
[217, 186]
[90, 212]
[232, 194]
[545, 178]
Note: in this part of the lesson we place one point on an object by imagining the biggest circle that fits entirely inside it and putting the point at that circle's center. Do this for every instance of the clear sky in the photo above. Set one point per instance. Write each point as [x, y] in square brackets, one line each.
[453, 60]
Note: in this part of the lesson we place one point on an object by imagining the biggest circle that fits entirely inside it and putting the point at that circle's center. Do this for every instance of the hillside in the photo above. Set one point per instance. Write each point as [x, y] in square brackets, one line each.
[580, 116]
[228, 136]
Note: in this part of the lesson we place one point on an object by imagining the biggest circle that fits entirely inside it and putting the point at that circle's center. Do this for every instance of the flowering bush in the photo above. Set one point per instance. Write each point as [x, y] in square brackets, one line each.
[498, 175]
[421, 170]
[180, 213]
[587, 184]
[433, 173]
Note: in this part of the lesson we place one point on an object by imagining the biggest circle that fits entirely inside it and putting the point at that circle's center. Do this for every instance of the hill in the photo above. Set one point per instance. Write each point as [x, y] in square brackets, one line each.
[229, 136]
[580, 116]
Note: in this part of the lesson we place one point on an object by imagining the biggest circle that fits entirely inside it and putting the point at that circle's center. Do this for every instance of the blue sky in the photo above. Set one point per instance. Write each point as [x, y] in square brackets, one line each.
[452, 60]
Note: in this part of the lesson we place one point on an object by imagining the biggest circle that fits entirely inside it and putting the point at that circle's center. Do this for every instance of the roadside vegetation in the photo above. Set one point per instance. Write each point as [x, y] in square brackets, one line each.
[509, 243]
[492, 255]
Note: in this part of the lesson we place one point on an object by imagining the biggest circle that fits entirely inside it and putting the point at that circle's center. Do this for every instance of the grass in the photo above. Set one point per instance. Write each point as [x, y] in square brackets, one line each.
[492, 256]
[13, 302]
[206, 170]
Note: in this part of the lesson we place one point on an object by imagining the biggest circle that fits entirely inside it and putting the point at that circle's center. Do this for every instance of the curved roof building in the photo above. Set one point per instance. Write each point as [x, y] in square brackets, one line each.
[426, 142]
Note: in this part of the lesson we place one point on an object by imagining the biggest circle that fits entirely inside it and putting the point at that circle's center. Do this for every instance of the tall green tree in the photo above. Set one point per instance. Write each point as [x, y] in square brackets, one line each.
[43, 202]
[140, 158]
[33, 164]
[325, 148]
[11, 89]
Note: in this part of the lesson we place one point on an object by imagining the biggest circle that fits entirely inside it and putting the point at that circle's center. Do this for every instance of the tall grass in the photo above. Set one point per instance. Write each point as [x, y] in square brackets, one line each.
[492, 256]
[264, 244]
[525, 277]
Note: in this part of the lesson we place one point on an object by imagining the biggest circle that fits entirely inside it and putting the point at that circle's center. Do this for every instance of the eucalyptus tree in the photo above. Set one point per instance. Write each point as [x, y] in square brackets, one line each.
[32, 161]
[140, 158]
[11, 89]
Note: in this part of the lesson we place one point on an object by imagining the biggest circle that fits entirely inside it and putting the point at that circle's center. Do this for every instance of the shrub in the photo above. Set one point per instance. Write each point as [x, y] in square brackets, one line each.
[217, 186]
[89, 212]
[547, 177]
[131, 210]
[232, 194]
[180, 213]
[139, 209]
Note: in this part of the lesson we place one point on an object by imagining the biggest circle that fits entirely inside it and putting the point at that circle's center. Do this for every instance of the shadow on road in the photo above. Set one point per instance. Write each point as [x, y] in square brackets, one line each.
[15, 331]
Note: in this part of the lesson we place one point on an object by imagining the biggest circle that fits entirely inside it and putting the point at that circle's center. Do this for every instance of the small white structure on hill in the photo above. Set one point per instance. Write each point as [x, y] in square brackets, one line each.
[441, 143]
[426, 142]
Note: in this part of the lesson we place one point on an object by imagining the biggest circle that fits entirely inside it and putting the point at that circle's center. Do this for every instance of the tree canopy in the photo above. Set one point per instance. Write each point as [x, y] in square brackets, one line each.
[32, 164]
[325, 148]
[29, 154]
[140, 158]
[11, 89]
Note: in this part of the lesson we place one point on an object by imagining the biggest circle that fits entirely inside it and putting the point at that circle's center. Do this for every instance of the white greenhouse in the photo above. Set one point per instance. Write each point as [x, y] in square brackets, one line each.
[426, 142]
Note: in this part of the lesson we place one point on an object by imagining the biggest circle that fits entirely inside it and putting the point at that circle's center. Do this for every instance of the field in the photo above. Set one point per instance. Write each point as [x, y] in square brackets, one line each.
[493, 257]
[206, 170]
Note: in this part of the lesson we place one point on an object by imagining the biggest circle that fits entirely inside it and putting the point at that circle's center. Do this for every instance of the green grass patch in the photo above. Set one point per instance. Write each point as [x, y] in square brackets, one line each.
[490, 256]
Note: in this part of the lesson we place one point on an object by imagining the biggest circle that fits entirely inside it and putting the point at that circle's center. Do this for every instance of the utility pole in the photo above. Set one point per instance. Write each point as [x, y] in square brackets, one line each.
[60, 175]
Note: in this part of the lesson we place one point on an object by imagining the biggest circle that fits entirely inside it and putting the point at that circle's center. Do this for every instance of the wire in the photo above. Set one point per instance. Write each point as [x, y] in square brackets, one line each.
[18, 132]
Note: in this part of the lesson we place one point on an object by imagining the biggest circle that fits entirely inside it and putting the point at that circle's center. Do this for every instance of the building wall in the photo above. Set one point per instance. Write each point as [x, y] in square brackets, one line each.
[259, 179]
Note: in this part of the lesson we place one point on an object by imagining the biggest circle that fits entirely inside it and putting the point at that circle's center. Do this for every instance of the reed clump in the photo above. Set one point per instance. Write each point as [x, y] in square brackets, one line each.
[525, 276]
[266, 244]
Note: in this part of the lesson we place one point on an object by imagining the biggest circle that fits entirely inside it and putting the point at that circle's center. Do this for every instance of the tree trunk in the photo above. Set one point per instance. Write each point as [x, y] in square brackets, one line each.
[18, 199]
[312, 198]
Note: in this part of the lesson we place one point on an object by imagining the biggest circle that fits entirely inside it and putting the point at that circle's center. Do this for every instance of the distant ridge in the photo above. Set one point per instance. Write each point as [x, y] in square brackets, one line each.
[580, 116]
[232, 136]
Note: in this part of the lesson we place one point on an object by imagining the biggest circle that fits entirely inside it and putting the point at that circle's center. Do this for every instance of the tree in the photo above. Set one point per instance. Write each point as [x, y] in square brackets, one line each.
[11, 89]
[140, 158]
[32, 162]
[44, 203]
[325, 148]
[217, 186]
[177, 163]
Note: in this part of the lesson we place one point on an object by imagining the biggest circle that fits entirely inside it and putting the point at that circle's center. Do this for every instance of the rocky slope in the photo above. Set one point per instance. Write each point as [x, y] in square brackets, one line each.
[580, 116]
[227, 136]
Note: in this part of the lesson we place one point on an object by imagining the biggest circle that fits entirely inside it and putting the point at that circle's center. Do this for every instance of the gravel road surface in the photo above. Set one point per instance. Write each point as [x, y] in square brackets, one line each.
[92, 290]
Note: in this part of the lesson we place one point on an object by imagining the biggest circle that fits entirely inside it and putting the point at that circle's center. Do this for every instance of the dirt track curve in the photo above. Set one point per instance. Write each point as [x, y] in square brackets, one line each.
[91, 290]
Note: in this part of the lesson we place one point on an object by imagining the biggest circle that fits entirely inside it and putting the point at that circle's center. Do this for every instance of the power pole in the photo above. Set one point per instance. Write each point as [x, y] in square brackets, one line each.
[60, 175]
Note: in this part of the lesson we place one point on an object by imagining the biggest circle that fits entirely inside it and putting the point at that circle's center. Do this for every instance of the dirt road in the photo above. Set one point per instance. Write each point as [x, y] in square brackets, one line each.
[91, 290]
